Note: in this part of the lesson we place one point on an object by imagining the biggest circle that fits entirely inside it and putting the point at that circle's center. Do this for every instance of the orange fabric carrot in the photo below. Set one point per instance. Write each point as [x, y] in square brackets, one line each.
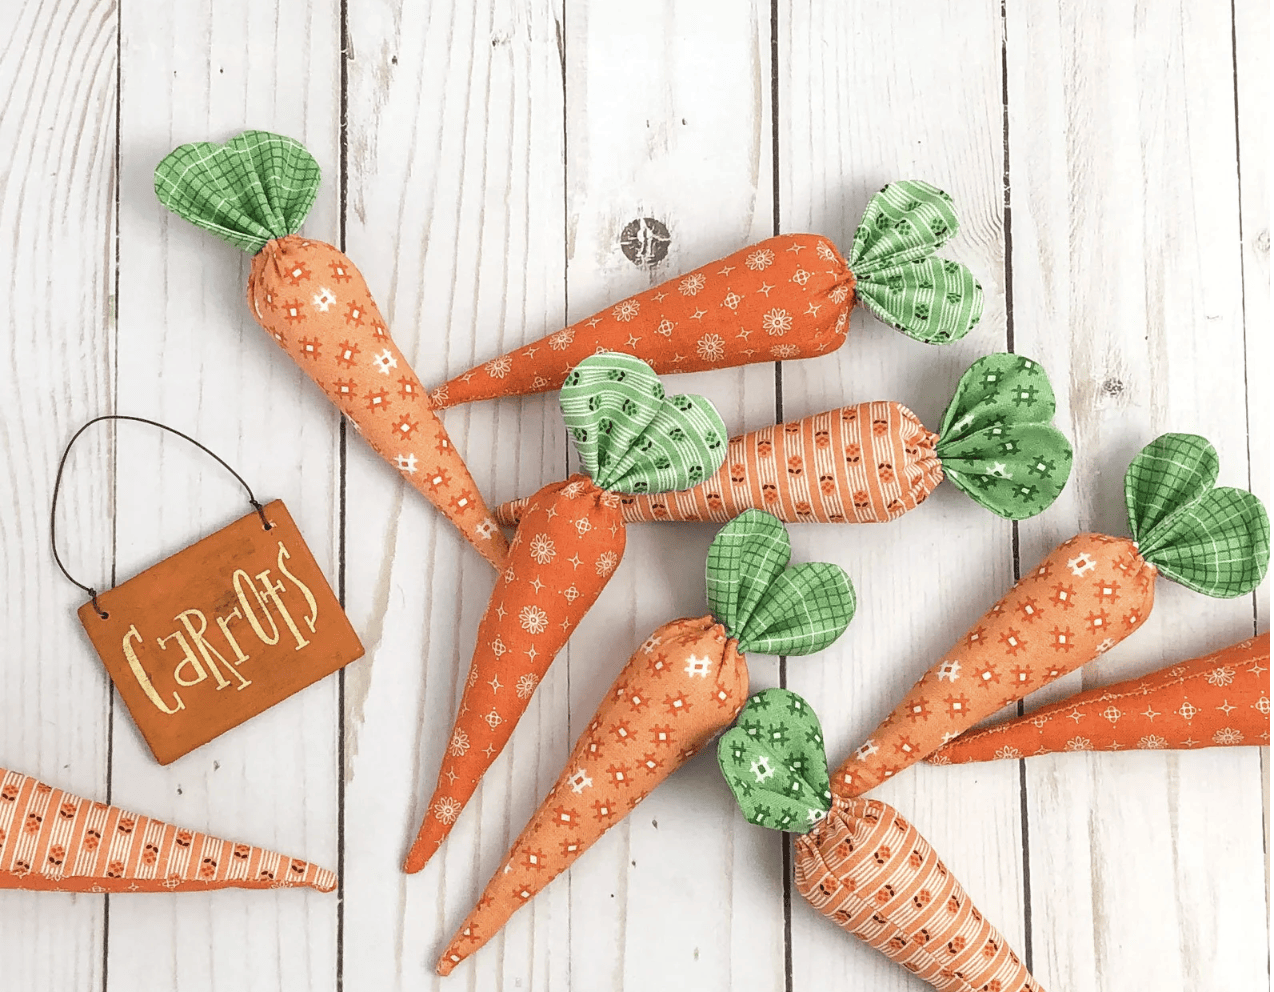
[787, 297]
[875, 461]
[680, 689]
[54, 841]
[255, 191]
[1081, 600]
[858, 862]
[1219, 700]
[631, 439]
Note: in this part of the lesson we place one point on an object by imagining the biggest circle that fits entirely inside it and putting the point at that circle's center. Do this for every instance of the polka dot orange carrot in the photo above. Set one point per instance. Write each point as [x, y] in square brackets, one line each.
[631, 438]
[1082, 599]
[875, 461]
[255, 191]
[784, 298]
[1219, 700]
[54, 841]
[680, 689]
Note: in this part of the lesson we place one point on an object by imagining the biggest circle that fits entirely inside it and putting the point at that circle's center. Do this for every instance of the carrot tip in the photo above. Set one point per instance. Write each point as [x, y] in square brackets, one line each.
[446, 963]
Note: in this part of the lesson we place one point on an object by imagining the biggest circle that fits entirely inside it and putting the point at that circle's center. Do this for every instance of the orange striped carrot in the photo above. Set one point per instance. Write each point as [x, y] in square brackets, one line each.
[1221, 699]
[786, 297]
[571, 538]
[255, 192]
[1082, 599]
[53, 841]
[875, 461]
[858, 862]
[680, 689]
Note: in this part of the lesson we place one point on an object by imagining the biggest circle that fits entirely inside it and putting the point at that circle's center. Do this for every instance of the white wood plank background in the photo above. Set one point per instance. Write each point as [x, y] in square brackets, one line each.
[1111, 164]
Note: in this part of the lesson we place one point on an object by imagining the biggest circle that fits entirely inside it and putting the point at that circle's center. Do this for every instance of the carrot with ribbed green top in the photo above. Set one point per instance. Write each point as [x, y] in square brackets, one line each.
[255, 192]
[631, 438]
[1086, 596]
[875, 461]
[680, 689]
[786, 297]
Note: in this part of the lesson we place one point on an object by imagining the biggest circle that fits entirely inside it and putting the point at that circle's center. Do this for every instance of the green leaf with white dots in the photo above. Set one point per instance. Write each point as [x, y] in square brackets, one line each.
[775, 762]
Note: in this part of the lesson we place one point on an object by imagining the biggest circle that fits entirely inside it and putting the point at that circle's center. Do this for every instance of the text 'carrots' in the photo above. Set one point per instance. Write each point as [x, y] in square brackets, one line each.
[875, 461]
[54, 841]
[1082, 599]
[681, 688]
[1219, 700]
[255, 192]
[858, 862]
[786, 297]
[631, 438]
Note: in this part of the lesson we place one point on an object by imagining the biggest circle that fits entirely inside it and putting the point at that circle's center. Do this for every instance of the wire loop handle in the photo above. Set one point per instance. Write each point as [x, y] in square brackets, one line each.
[57, 486]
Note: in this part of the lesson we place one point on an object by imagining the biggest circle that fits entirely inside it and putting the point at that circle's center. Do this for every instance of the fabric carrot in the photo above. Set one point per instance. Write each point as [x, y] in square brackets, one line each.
[680, 689]
[1219, 700]
[787, 297]
[630, 438]
[54, 841]
[255, 192]
[858, 862]
[875, 461]
[1085, 597]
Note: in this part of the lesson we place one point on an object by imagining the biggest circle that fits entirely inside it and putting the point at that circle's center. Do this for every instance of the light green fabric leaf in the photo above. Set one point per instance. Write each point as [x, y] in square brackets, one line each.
[775, 762]
[1214, 541]
[633, 439]
[256, 187]
[897, 276]
[766, 606]
[997, 443]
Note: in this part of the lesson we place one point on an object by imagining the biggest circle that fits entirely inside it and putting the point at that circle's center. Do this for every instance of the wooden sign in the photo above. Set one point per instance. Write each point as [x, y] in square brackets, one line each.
[217, 633]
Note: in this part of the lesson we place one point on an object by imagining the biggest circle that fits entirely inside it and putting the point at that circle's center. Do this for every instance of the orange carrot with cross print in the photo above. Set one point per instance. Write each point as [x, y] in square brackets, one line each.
[255, 191]
[1087, 595]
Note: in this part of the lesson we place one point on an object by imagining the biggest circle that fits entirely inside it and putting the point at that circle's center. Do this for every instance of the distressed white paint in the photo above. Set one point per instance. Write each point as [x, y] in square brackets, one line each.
[494, 153]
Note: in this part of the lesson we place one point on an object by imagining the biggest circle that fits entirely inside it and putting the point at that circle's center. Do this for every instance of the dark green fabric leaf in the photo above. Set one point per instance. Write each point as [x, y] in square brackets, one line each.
[775, 762]
[766, 606]
[997, 443]
[897, 277]
[633, 439]
[1214, 541]
[254, 188]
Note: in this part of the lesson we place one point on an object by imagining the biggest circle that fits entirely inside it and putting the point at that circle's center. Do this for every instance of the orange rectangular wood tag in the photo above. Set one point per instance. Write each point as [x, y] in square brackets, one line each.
[220, 631]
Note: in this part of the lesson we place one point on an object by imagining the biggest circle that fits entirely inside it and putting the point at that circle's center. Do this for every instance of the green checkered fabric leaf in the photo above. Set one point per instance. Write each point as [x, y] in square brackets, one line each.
[633, 439]
[1213, 540]
[254, 188]
[997, 442]
[775, 763]
[766, 606]
[899, 279]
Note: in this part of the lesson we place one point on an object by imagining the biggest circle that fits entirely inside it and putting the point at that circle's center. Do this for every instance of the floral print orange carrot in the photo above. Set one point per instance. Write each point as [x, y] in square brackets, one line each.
[54, 841]
[1082, 599]
[858, 862]
[255, 191]
[680, 689]
[875, 461]
[631, 438]
[787, 297]
[1219, 700]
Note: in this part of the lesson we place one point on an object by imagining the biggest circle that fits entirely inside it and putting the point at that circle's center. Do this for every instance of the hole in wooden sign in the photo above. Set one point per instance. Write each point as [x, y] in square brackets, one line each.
[645, 242]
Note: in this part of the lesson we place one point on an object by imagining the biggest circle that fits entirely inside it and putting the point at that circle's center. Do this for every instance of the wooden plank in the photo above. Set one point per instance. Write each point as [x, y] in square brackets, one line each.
[869, 93]
[191, 355]
[456, 219]
[668, 118]
[1126, 277]
[57, 68]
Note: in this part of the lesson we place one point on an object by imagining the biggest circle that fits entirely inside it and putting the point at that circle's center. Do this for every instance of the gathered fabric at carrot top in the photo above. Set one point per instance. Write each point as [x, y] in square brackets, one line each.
[680, 689]
[631, 437]
[875, 461]
[255, 192]
[784, 298]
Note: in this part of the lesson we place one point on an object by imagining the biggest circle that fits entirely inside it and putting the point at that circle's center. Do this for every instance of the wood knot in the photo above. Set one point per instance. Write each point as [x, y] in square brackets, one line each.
[645, 242]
